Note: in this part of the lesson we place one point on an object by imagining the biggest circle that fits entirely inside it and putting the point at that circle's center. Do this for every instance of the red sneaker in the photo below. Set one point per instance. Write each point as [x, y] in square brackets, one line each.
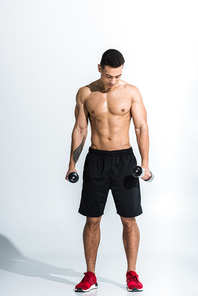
[88, 283]
[133, 283]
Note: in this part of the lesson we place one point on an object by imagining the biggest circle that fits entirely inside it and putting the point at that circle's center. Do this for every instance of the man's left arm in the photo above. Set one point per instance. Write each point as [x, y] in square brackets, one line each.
[139, 116]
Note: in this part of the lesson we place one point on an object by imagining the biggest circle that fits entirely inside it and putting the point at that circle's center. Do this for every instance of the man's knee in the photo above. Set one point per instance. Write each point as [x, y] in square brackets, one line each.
[128, 222]
[93, 222]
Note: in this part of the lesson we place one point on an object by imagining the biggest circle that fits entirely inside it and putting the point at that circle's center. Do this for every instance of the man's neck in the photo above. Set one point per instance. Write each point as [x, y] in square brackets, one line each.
[103, 87]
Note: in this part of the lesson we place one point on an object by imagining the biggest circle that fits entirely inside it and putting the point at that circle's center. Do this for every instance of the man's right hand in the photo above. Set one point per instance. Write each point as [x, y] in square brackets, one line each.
[70, 170]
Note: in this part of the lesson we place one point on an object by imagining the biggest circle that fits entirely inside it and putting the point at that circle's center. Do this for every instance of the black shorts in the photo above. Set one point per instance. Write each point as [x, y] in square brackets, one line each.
[104, 170]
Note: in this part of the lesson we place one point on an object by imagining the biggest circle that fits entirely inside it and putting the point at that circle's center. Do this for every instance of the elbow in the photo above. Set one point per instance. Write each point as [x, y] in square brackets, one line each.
[80, 130]
[140, 129]
[84, 132]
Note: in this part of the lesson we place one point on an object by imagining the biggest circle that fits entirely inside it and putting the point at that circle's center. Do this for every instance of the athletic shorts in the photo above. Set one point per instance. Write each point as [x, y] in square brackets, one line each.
[105, 170]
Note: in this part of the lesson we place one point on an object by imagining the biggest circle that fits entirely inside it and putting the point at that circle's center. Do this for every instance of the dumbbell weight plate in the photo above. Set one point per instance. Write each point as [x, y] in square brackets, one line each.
[138, 171]
[73, 177]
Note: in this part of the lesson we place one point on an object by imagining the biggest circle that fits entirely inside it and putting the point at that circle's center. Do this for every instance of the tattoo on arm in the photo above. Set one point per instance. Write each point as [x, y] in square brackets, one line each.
[78, 151]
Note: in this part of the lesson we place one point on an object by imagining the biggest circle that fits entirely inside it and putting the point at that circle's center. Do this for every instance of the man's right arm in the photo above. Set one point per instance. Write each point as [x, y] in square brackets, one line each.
[79, 133]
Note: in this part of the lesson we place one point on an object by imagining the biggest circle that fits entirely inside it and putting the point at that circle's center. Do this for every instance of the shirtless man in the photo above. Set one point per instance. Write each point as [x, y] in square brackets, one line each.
[110, 103]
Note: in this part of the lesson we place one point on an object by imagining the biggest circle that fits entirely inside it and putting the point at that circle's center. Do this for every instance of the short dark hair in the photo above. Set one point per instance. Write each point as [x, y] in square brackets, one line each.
[112, 58]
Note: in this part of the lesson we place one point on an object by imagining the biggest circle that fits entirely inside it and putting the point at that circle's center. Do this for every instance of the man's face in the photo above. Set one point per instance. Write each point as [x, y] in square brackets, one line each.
[110, 76]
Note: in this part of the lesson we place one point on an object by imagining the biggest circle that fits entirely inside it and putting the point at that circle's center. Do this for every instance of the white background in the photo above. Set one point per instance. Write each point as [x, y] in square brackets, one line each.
[49, 49]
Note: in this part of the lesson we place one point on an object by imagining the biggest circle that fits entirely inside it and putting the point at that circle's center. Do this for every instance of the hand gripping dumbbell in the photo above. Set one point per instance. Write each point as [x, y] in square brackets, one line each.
[73, 177]
[139, 172]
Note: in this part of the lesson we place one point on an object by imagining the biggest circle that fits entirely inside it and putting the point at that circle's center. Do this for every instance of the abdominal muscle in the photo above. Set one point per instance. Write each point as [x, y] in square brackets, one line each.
[110, 135]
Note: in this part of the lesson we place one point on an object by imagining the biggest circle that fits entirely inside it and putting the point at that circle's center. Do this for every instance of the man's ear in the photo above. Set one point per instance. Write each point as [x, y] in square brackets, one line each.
[99, 68]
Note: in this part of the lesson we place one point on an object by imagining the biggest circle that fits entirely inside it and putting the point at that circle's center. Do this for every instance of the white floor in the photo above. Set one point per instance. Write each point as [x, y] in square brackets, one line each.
[167, 260]
[57, 274]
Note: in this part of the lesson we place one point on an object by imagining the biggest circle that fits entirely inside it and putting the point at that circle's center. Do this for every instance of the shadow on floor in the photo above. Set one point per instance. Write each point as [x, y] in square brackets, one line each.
[12, 260]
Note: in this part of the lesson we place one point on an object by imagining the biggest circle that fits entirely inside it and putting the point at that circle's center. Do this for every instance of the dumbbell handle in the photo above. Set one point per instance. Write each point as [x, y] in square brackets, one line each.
[139, 172]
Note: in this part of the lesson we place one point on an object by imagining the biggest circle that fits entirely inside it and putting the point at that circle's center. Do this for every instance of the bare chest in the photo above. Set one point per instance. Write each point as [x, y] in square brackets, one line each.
[114, 103]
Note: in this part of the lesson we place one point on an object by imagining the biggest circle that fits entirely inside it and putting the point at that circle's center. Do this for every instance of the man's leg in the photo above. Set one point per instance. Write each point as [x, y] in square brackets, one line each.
[131, 238]
[91, 239]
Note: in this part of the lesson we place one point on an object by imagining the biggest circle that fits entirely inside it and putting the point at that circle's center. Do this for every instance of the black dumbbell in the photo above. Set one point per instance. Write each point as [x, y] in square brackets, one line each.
[138, 172]
[73, 177]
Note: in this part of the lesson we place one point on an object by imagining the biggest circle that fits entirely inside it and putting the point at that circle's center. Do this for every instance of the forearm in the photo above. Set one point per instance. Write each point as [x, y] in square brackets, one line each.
[77, 144]
[143, 144]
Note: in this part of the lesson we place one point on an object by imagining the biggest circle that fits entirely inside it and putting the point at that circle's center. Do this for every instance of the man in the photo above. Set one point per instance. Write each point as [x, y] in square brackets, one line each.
[109, 103]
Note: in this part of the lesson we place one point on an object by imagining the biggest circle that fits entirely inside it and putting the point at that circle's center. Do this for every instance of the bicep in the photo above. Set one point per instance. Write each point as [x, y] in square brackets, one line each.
[138, 112]
[81, 113]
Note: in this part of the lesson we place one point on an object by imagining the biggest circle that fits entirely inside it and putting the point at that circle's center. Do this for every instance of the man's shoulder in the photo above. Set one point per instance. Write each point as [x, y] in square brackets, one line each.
[84, 90]
[87, 89]
[127, 86]
[131, 87]
[93, 86]
[83, 93]
[134, 91]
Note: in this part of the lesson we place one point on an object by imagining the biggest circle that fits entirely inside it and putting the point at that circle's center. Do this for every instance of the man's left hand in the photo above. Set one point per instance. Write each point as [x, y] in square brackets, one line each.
[147, 173]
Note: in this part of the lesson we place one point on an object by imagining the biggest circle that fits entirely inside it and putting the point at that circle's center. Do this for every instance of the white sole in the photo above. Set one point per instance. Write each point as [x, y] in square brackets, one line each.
[134, 289]
[95, 286]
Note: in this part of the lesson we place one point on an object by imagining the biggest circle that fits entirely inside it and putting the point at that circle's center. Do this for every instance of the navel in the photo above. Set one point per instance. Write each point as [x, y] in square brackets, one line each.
[109, 139]
[92, 112]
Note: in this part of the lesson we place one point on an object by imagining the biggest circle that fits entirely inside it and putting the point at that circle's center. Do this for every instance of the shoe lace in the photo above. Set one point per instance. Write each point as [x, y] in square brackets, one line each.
[133, 278]
[86, 278]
